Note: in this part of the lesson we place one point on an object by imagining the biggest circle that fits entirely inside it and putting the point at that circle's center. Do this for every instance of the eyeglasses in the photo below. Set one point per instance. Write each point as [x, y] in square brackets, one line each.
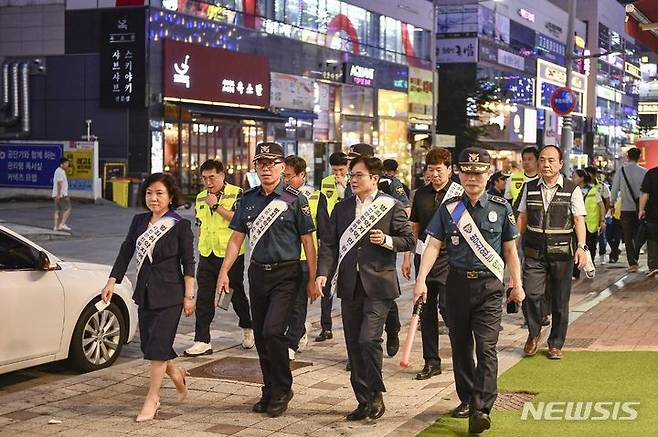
[267, 164]
[358, 175]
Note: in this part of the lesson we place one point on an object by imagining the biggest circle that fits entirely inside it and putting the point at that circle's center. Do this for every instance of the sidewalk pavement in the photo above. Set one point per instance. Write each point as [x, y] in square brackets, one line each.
[106, 402]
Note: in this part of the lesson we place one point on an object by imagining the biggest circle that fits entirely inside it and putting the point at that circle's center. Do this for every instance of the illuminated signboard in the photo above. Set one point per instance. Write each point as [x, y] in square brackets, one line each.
[551, 76]
[526, 15]
[359, 75]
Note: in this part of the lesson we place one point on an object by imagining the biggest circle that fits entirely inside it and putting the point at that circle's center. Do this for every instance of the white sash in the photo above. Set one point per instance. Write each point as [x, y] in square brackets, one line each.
[453, 191]
[146, 242]
[360, 227]
[475, 240]
[265, 219]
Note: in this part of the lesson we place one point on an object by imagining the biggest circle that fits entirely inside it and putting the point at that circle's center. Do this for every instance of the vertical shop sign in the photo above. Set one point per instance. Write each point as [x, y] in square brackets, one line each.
[123, 58]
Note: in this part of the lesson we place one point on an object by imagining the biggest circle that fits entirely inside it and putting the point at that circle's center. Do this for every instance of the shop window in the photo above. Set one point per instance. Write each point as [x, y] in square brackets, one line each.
[357, 101]
[356, 131]
[171, 150]
[392, 104]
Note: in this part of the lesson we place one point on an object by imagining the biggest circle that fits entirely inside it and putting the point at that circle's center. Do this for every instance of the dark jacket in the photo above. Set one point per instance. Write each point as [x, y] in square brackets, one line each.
[377, 268]
[159, 284]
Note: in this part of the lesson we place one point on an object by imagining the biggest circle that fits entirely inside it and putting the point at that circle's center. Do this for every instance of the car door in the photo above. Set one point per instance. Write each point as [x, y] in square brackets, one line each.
[32, 300]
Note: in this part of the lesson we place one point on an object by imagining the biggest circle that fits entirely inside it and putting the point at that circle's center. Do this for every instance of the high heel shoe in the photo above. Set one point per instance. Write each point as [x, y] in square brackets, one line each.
[147, 417]
[183, 395]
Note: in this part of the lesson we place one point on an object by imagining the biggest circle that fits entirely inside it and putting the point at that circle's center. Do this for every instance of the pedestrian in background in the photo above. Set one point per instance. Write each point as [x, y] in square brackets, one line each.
[391, 169]
[61, 196]
[613, 233]
[595, 209]
[626, 186]
[649, 213]
[214, 209]
[497, 184]
[163, 242]
[604, 190]
[529, 172]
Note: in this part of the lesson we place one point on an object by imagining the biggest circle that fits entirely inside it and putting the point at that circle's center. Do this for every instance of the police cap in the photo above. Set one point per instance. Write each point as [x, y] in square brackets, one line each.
[474, 160]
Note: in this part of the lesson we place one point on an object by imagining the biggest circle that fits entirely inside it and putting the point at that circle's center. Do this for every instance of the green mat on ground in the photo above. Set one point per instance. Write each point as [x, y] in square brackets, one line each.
[614, 377]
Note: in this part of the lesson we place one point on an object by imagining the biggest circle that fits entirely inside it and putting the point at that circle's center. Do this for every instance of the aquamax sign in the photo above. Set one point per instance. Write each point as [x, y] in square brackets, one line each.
[359, 75]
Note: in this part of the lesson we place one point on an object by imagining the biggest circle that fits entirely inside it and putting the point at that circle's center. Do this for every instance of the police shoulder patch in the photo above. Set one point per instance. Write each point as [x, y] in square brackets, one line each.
[511, 218]
[292, 190]
[499, 200]
[306, 209]
[400, 190]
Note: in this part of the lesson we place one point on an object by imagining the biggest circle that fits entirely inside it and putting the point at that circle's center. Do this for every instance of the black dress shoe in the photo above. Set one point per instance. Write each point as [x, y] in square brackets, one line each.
[279, 405]
[325, 334]
[361, 412]
[392, 344]
[261, 405]
[377, 407]
[428, 371]
[462, 411]
[479, 422]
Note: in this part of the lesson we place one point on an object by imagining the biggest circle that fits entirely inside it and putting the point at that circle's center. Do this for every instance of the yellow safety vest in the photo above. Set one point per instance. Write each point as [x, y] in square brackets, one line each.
[214, 231]
[593, 217]
[617, 214]
[516, 181]
[313, 202]
[328, 188]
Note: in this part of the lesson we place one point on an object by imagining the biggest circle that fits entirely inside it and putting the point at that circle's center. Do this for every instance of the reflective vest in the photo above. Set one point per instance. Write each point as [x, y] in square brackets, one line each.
[516, 181]
[328, 188]
[313, 201]
[549, 233]
[214, 231]
[593, 217]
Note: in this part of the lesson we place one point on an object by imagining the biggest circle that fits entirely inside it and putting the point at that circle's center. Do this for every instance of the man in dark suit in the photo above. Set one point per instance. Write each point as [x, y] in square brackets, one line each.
[361, 241]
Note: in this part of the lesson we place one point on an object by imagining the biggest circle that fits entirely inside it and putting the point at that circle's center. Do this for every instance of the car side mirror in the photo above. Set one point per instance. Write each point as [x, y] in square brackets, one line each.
[44, 262]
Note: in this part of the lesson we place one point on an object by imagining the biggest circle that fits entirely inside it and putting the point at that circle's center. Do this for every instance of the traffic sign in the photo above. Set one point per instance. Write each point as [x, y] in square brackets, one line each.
[563, 101]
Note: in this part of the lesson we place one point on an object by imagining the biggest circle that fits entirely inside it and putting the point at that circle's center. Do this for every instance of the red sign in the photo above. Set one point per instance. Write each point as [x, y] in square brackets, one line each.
[563, 101]
[200, 73]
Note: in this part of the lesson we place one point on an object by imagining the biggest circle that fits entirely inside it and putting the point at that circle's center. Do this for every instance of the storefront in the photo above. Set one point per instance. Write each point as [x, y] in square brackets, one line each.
[215, 106]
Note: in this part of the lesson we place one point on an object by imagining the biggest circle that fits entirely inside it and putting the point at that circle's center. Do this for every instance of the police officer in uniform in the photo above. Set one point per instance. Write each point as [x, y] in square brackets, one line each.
[474, 285]
[333, 189]
[529, 159]
[393, 187]
[551, 217]
[214, 210]
[278, 221]
[295, 176]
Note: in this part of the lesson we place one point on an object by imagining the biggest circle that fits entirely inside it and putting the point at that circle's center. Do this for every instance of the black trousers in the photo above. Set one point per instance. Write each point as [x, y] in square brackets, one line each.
[474, 313]
[272, 294]
[652, 245]
[556, 275]
[613, 235]
[429, 317]
[298, 310]
[363, 324]
[591, 239]
[629, 224]
[326, 304]
[206, 276]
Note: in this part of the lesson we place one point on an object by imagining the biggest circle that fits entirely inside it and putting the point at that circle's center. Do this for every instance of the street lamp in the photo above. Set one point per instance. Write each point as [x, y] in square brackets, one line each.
[567, 121]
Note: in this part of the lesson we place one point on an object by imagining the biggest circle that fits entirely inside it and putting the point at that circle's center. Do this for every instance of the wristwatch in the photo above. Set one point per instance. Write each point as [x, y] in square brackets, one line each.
[215, 206]
[190, 297]
[583, 246]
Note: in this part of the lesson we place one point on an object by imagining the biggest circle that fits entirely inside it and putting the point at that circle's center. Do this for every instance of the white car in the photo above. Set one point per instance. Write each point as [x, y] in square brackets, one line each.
[49, 311]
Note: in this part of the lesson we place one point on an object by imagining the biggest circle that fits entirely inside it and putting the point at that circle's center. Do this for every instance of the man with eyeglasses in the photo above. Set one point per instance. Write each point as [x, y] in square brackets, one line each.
[360, 243]
[295, 176]
[214, 208]
[278, 220]
[426, 201]
[393, 187]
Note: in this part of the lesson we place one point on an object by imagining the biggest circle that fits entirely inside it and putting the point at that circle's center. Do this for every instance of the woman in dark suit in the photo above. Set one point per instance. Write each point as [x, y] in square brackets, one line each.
[163, 241]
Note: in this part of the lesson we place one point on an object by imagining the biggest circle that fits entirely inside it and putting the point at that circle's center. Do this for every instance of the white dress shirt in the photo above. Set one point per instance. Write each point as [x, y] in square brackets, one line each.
[361, 207]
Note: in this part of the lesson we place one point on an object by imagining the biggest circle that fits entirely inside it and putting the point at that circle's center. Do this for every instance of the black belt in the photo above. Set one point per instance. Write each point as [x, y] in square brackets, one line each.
[274, 266]
[472, 274]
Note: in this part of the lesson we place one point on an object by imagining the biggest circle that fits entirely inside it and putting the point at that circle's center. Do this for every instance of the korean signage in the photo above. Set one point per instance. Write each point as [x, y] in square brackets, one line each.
[550, 49]
[551, 76]
[28, 165]
[80, 173]
[510, 60]
[420, 94]
[356, 74]
[292, 92]
[526, 15]
[123, 58]
[456, 50]
[633, 70]
[608, 93]
[197, 73]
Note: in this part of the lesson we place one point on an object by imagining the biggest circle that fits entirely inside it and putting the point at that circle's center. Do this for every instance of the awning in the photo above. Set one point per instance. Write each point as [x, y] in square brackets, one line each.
[643, 12]
[301, 115]
[232, 112]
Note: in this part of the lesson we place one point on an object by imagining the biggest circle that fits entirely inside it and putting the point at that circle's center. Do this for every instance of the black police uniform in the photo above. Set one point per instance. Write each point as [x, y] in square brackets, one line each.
[473, 297]
[274, 273]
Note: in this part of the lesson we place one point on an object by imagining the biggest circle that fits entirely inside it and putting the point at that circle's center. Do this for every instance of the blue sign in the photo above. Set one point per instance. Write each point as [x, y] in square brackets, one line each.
[563, 101]
[29, 165]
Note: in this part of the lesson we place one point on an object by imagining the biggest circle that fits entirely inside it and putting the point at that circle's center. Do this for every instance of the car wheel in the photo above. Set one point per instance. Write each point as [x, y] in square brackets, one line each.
[98, 338]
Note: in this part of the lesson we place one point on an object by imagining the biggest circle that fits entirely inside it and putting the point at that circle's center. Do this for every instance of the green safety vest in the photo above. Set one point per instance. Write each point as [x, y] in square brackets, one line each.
[593, 217]
[214, 231]
[516, 182]
[313, 202]
[328, 188]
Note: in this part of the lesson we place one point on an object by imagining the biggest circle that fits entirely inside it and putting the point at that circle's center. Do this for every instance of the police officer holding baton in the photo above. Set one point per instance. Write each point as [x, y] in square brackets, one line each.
[278, 220]
[477, 229]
